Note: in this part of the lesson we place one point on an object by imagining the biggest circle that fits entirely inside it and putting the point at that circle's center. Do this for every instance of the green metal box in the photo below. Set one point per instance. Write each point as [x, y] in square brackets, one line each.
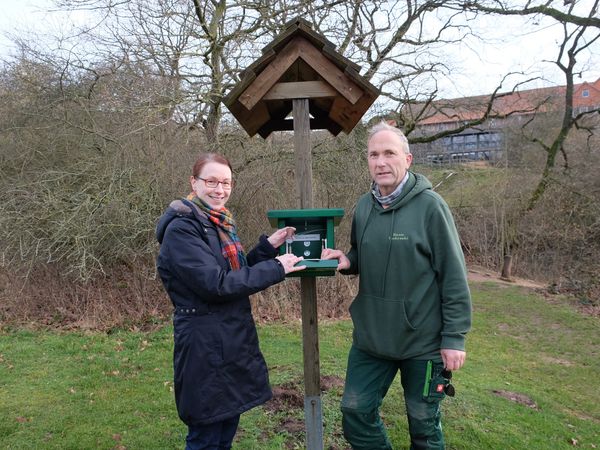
[314, 231]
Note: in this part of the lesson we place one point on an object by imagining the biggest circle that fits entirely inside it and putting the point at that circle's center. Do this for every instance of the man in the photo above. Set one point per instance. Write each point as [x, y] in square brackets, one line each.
[413, 307]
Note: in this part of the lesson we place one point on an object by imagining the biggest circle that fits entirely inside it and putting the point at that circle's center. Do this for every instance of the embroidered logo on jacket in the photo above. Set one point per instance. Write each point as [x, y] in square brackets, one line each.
[398, 237]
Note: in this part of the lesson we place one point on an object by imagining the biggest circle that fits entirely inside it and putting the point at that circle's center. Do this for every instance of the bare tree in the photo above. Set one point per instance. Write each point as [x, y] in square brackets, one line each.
[203, 46]
[98, 126]
[564, 13]
[575, 40]
[199, 48]
[580, 32]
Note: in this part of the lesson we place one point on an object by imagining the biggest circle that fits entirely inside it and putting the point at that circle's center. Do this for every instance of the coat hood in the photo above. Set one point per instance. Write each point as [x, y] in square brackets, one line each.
[415, 184]
[177, 208]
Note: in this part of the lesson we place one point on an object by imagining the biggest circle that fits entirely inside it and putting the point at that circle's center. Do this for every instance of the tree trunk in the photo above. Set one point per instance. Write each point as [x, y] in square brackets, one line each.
[507, 268]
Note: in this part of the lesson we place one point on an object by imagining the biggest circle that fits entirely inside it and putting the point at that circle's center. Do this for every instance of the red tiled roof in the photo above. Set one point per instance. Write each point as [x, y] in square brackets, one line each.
[518, 102]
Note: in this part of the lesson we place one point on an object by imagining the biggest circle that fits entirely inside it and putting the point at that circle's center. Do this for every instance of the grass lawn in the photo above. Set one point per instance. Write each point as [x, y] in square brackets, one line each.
[530, 382]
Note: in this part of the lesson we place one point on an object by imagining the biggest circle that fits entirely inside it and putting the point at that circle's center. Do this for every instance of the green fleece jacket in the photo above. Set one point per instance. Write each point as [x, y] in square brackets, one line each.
[413, 297]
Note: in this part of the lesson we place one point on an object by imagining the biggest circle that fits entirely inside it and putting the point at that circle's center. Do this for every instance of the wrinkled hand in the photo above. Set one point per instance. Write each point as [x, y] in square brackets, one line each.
[330, 253]
[453, 359]
[288, 260]
[278, 238]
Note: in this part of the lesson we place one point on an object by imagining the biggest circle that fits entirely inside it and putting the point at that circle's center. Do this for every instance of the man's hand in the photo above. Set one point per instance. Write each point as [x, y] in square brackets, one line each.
[330, 253]
[453, 359]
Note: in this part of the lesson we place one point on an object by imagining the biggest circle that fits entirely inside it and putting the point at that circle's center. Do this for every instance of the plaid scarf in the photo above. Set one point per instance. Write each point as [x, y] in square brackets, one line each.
[231, 247]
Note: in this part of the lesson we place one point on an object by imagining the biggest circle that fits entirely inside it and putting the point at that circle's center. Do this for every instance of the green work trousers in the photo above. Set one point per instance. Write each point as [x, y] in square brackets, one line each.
[368, 379]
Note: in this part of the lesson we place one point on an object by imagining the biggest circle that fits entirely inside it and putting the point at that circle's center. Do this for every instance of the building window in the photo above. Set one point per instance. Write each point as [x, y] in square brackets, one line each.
[471, 141]
[580, 109]
[585, 93]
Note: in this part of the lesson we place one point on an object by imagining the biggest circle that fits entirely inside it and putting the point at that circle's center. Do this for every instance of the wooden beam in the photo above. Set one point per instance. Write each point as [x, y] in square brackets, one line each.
[300, 89]
[231, 98]
[303, 153]
[313, 415]
[288, 125]
[329, 71]
[347, 115]
[269, 76]
[300, 48]
[257, 66]
[253, 120]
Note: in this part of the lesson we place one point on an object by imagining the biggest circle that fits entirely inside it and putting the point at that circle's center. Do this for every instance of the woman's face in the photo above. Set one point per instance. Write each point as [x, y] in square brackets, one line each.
[211, 173]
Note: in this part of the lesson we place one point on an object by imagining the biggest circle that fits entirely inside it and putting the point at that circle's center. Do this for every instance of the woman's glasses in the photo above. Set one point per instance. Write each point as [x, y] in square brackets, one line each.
[212, 183]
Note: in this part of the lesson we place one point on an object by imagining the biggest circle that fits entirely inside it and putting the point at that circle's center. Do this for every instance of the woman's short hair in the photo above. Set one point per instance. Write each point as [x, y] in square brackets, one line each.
[384, 126]
[206, 158]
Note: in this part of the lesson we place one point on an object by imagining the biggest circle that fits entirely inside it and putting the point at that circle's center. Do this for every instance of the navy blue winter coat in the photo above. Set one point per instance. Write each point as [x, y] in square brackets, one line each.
[219, 371]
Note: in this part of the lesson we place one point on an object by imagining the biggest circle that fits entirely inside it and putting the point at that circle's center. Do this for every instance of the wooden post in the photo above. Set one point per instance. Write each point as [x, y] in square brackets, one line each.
[302, 151]
[308, 285]
[297, 67]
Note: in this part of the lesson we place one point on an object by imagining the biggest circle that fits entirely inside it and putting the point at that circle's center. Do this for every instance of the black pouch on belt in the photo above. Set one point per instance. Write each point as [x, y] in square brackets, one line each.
[437, 382]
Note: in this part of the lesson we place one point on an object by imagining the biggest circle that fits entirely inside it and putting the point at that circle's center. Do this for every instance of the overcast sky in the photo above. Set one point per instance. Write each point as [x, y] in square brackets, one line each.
[512, 49]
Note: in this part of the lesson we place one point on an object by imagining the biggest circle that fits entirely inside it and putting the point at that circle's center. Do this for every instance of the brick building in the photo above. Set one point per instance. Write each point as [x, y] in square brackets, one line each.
[485, 139]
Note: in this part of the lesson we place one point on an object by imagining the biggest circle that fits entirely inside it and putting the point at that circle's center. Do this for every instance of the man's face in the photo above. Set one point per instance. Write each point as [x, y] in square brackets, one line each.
[387, 161]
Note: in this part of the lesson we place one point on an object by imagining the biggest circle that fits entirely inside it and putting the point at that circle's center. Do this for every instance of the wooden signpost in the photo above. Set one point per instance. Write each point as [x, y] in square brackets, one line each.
[300, 72]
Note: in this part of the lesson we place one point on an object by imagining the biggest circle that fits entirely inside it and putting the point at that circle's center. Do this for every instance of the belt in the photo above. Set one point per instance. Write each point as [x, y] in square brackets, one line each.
[190, 311]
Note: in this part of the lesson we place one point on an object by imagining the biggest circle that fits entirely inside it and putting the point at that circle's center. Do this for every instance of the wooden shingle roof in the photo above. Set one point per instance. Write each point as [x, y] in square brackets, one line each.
[300, 63]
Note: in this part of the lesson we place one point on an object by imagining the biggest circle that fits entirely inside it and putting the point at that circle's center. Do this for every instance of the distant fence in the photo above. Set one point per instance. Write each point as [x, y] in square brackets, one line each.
[458, 157]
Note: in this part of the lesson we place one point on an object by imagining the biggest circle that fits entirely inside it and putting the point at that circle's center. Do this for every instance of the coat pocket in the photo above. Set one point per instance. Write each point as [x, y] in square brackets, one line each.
[380, 325]
[197, 339]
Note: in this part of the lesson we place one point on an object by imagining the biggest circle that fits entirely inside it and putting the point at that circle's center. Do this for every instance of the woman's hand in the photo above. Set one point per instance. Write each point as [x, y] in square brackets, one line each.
[278, 238]
[330, 253]
[288, 260]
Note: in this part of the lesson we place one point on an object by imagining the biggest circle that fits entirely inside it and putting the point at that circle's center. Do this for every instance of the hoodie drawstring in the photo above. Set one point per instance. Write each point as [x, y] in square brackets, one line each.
[389, 252]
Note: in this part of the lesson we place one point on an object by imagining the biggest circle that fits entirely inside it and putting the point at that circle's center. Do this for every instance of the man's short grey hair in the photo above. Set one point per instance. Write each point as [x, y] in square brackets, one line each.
[384, 126]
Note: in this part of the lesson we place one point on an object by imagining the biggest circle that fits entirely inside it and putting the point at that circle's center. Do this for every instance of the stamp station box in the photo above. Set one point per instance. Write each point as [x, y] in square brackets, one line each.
[314, 232]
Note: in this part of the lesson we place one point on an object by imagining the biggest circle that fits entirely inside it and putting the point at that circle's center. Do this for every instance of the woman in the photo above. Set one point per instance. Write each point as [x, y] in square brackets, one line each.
[218, 367]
